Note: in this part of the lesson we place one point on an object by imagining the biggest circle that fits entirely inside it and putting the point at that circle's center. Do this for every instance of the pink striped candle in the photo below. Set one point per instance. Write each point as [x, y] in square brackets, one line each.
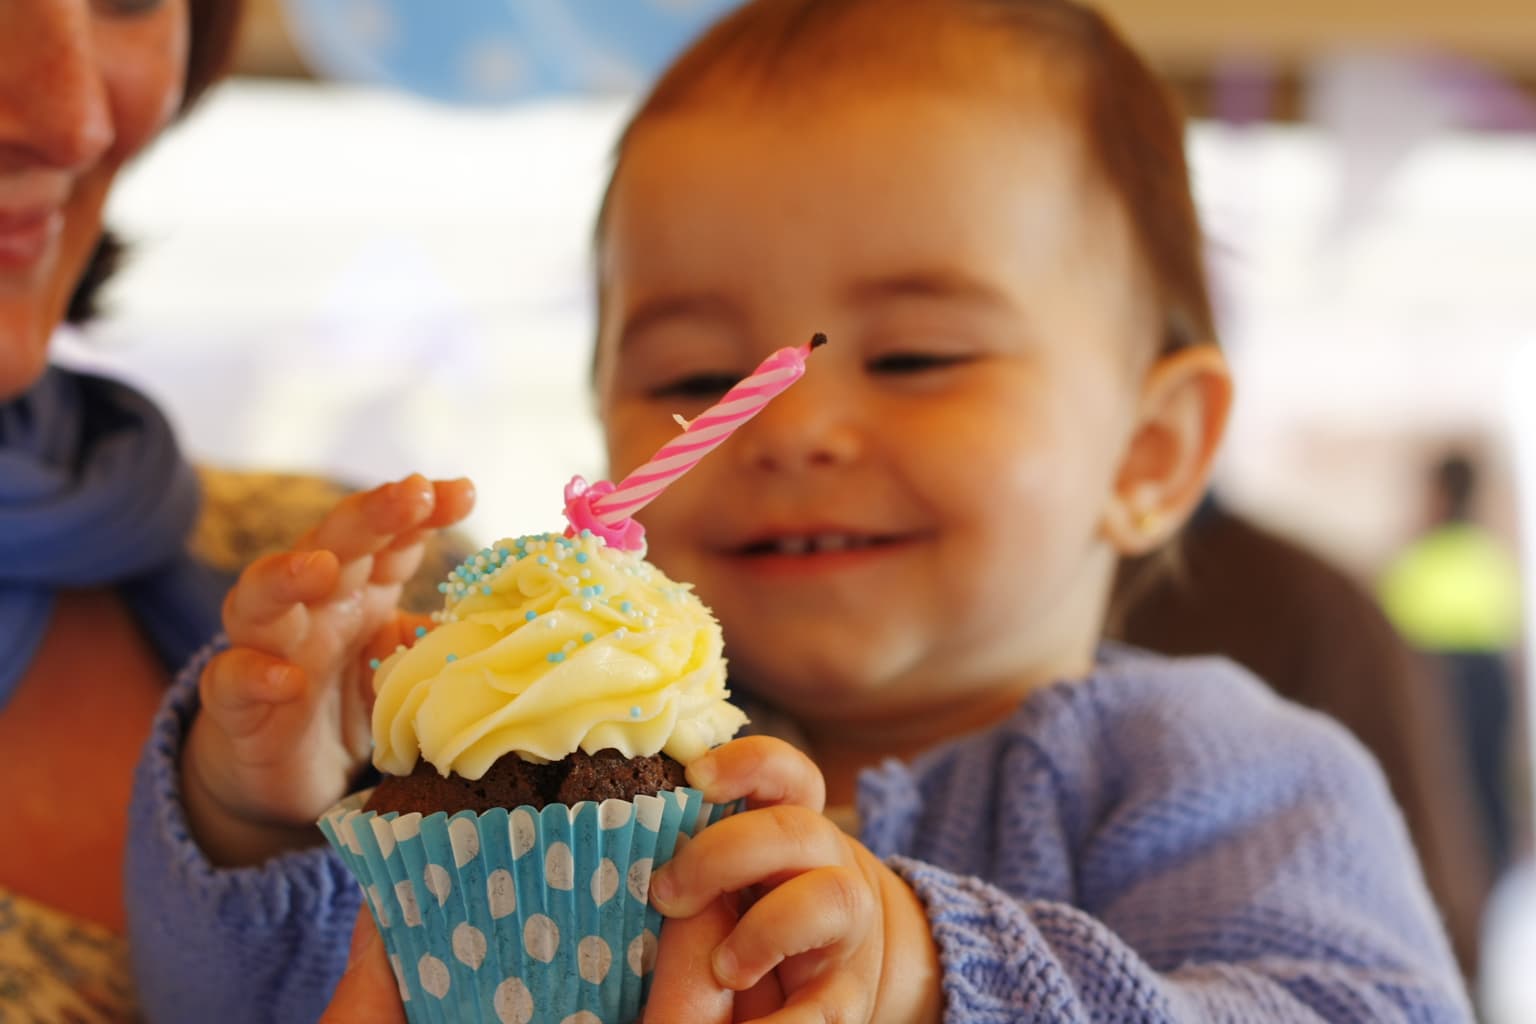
[613, 506]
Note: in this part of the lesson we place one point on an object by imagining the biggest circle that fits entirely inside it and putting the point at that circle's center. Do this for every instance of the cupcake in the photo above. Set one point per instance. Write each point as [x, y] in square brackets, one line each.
[532, 747]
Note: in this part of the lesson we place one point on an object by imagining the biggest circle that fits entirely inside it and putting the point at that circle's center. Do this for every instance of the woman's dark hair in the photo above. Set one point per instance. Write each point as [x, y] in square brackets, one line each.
[211, 44]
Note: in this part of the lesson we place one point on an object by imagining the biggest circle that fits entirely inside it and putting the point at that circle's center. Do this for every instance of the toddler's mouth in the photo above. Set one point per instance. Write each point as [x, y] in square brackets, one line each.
[817, 543]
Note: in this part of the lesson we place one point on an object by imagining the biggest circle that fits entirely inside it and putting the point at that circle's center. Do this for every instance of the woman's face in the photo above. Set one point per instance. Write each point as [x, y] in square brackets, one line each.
[84, 85]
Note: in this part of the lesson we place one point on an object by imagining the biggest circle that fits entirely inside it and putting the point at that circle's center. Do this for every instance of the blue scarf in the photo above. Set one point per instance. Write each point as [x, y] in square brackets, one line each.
[94, 492]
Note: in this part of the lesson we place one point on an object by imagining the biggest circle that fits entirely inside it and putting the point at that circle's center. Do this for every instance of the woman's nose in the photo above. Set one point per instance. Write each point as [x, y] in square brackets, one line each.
[54, 107]
[814, 424]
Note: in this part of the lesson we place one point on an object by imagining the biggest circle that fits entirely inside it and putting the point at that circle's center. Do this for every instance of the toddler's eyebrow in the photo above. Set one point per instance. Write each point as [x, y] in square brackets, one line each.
[708, 306]
[927, 284]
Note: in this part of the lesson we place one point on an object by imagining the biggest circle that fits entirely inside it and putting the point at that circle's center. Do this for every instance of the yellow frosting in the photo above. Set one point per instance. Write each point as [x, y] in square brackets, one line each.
[547, 645]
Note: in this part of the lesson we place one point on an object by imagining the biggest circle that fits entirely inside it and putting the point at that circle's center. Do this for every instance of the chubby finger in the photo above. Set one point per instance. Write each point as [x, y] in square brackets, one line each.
[453, 500]
[271, 587]
[240, 686]
[819, 910]
[683, 987]
[369, 993]
[762, 847]
[369, 521]
[764, 770]
[832, 996]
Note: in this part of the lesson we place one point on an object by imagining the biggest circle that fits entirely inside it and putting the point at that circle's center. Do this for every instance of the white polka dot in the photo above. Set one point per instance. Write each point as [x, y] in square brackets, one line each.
[469, 946]
[614, 813]
[349, 837]
[524, 834]
[541, 937]
[410, 910]
[438, 882]
[434, 975]
[407, 826]
[593, 958]
[513, 1002]
[639, 879]
[583, 1017]
[380, 908]
[560, 867]
[648, 810]
[395, 965]
[384, 836]
[605, 882]
[501, 893]
[642, 954]
[465, 839]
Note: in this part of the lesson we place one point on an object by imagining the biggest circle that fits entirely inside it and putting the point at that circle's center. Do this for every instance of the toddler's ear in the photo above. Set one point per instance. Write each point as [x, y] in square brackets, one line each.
[1181, 416]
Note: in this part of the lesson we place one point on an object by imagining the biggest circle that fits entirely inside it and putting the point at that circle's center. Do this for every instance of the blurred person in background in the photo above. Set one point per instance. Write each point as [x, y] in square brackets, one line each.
[1454, 592]
[114, 554]
[1319, 638]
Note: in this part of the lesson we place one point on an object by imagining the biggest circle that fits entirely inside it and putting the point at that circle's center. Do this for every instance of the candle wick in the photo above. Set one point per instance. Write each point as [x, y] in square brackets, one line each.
[818, 339]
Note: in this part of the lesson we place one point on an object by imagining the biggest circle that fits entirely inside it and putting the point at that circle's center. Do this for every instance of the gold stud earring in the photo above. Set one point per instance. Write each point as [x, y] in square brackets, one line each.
[1149, 521]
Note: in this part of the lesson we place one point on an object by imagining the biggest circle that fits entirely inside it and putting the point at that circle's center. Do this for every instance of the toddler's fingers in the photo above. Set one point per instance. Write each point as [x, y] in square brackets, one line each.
[683, 987]
[397, 564]
[239, 688]
[762, 847]
[271, 587]
[830, 996]
[815, 911]
[455, 499]
[764, 770]
[369, 521]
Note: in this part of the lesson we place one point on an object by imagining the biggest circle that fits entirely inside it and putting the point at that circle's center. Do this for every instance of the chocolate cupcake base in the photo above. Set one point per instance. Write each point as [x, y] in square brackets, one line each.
[512, 782]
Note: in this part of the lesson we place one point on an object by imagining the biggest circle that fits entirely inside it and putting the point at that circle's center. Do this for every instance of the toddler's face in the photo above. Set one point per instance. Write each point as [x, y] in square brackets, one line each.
[919, 517]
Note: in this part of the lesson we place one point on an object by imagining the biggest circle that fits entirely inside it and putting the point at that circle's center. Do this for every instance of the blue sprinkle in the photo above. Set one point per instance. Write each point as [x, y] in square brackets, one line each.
[452, 657]
[543, 560]
[557, 657]
[421, 631]
[587, 638]
[581, 558]
[442, 588]
[634, 712]
[373, 663]
[503, 552]
[486, 591]
[530, 616]
[586, 534]
[626, 607]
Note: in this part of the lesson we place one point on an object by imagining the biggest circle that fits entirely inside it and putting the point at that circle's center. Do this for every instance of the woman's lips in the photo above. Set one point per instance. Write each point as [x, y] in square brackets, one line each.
[25, 235]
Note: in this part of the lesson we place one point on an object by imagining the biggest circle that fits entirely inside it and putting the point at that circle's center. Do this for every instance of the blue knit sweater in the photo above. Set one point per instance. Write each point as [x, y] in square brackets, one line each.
[1162, 841]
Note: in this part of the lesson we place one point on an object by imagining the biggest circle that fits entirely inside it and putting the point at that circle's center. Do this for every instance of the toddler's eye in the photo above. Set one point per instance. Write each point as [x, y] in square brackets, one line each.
[699, 385]
[915, 362]
[127, 8]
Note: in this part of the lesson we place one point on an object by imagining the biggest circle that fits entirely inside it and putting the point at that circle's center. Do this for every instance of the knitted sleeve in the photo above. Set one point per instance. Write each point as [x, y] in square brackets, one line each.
[243, 946]
[1224, 857]
[1008, 961]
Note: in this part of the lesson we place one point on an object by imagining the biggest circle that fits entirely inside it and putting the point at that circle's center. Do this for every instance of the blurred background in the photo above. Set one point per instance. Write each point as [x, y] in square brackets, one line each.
[368, 254]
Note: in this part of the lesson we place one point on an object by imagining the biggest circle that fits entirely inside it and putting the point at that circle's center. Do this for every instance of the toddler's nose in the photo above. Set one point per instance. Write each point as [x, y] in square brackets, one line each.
[54, 108]
[808, 426]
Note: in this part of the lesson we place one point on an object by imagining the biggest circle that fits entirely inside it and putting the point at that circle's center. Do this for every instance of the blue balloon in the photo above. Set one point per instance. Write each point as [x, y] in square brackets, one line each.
[487, 52]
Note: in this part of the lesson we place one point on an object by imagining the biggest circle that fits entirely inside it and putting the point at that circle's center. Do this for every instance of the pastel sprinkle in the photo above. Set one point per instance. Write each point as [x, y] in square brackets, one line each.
[530, 616]
[626, 607]
[581, 558]
[557, 657]
[421, 631]
[374, 663]
[634, 712]
[486, 590]
[452, 657]
[587, 638]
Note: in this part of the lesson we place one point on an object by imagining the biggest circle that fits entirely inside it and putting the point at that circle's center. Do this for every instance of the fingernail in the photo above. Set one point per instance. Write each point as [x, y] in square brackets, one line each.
[701, 773]
[723, 962]
[302, 563]
[278, 677]
[663, 889]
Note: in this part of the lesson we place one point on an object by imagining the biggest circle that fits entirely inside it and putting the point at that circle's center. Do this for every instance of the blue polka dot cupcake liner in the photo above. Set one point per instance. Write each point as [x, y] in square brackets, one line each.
[523, 916]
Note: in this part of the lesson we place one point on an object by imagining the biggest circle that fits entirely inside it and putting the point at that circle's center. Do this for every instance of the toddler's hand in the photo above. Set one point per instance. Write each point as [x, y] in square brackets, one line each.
[845, 938]
[284, 726]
